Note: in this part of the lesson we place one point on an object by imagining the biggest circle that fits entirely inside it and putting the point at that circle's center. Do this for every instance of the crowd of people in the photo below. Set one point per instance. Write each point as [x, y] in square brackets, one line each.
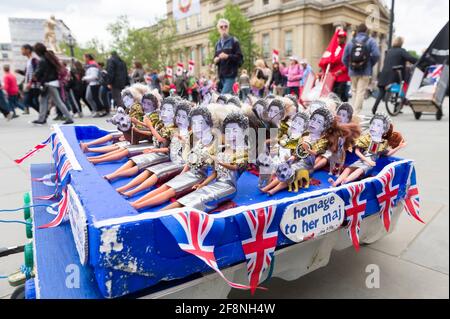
[70, 85]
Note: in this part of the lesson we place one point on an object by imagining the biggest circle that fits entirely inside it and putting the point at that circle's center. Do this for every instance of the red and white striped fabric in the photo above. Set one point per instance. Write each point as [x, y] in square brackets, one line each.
[33, 151]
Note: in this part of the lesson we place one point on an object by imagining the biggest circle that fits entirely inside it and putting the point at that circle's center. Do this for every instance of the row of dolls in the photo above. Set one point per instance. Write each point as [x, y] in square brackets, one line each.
[172, 143]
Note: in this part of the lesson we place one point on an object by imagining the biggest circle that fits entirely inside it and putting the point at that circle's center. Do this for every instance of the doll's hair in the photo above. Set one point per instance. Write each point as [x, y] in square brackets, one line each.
[238, 118]
[202, 111]
[346, 107]
[171, 100]
[317, 104]
[280, 105]
[234, 100]
[261, 102]
[393, 138]
[293, 98]
[183, 106]
[327, 115]
[386, 120]
[303, 115]
[153, 98]
[350, 132]
[222, 98]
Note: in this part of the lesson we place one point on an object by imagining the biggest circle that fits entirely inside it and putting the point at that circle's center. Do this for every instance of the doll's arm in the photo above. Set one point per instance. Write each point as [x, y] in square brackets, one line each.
[398, 148]
[231, 167]
[206, 181]
[155, 133]
[146, 133]
[309, 150]
[185, 169]
[157, 150]
[363, 158]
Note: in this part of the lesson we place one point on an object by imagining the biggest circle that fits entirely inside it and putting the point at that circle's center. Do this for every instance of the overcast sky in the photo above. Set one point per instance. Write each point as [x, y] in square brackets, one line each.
[417, 20]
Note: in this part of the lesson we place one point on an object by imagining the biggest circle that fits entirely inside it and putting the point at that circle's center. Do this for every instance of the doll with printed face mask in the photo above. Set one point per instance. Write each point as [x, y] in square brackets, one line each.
[197, 163]
[381, 140]
[116, 137]
[158, 153]
[178, 151]
[135, 112]
[288, 162]
[221, 185]
[348, 131]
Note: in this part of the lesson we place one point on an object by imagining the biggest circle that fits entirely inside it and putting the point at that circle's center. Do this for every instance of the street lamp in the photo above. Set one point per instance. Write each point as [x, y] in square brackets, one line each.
[71, 44]
[391, 24]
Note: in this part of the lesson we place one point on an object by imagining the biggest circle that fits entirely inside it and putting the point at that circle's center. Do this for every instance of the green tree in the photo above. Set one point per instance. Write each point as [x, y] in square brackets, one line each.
[414, 54]
[241, 28]
[93, 46]
[151, 46]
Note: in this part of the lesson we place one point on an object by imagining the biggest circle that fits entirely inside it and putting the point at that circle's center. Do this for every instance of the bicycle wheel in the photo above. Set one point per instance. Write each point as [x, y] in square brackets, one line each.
[393, 103]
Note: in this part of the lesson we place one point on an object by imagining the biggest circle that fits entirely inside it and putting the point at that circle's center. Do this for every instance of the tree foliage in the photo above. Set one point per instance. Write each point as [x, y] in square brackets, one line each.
[94, 46]
[151, 46]
[241, 28]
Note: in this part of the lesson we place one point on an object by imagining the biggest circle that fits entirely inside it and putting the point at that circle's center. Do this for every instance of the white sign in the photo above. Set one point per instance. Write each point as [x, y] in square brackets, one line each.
[79, 225]
[185, 8]
[313, 218]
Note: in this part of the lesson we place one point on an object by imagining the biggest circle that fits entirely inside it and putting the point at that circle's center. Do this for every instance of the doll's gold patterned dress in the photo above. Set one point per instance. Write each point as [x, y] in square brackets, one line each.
[371, 149]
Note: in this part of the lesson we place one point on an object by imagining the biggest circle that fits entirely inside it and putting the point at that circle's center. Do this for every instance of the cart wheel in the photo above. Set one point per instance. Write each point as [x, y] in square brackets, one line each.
[417, 115]
[393, 103]
[19, 293]
[439, 115]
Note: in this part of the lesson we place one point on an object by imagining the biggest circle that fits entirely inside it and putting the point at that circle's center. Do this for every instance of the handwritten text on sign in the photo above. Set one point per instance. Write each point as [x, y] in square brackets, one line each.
[313, 218]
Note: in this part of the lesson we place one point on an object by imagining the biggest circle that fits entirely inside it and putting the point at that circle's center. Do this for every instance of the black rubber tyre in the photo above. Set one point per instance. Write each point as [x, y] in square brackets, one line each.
[439, 115]
[393, 103]
[19, 293]
[417, 115]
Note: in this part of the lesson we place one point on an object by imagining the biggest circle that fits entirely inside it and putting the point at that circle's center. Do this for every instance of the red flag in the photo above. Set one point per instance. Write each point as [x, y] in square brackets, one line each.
[331, 51]
[275, 56]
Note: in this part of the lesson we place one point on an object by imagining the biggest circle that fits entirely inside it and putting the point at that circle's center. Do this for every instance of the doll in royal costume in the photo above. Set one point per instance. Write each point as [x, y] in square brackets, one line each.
[159, 152]
[178, 150]
[381, 140]
[229, 165]
[198, 161]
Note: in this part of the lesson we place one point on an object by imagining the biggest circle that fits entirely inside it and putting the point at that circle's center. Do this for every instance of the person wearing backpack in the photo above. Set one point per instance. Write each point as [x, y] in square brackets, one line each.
[228, 57]
[360, 56]
[48, 73]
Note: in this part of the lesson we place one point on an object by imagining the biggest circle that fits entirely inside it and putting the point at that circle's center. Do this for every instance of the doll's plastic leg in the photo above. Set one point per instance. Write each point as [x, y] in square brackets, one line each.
[155, 200]
[271, 185]
[321, 162]
[278, 188]
[354, 176]
[135, 182]
[116, 156]
[147, 184]
[133, 171]
[93, 159]
[153, 193]
[102, 150]
[172, 206]
[116, 173]
[99, 141]
[341, 178]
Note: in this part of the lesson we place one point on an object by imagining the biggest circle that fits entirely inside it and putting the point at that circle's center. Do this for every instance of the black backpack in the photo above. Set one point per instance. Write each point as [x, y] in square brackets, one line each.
[359, 56]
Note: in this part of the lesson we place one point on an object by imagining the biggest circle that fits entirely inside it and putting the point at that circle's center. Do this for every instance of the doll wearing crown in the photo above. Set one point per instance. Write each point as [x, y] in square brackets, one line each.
[314, 143]
[136, 106]
[178, 150]
[381, 140]
[198, 162]
[151, 120]
[159, 152]
[229, 165]
[342, 142]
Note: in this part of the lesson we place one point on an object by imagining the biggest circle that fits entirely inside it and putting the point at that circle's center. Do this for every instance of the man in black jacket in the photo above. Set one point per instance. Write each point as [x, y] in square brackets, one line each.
[396, 56]
[117, 77]
[228, 57]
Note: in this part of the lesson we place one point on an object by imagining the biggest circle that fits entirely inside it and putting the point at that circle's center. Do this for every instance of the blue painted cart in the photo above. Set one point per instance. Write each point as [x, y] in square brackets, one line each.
[110, 250]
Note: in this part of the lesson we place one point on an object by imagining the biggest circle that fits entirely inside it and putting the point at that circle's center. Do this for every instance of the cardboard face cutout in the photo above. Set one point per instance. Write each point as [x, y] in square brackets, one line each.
[298, 127]
[167, 114]
[148, 106]
[235, 136]
[182, 120]
[377, 129]
[275, 115]
[128, 100]
[343, 116]
[317, 124]
[200, 127]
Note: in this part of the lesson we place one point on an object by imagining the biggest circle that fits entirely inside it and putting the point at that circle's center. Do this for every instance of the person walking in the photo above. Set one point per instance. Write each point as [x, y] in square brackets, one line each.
[307, 70]
[117, 77]
[31, 88]
[396, 56]
[277, 80]
[244, 85]
[4, 106]
[360, 56]
[228, 57]
[260, 79]
[48, 73]
[294, 73]
[91, 77]
[12, 89]
[138, 74]
[105, 92]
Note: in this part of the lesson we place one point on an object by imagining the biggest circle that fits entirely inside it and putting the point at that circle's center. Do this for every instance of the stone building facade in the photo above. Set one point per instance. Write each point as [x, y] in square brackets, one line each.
[294, 27]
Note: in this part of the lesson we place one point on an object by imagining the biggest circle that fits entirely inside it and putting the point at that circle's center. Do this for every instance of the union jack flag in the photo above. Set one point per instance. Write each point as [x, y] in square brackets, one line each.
[33, 151]
[259, 247]
[412, 199]
[63, 208]
[193, 232]
[354, 211]
[387, 197]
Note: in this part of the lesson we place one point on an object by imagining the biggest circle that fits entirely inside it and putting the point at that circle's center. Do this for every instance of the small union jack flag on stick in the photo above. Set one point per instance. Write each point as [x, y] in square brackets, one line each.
[412, 199]
[193, 232]
[354, 212]
[33, 151]
[259, 244]
[387, 197]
